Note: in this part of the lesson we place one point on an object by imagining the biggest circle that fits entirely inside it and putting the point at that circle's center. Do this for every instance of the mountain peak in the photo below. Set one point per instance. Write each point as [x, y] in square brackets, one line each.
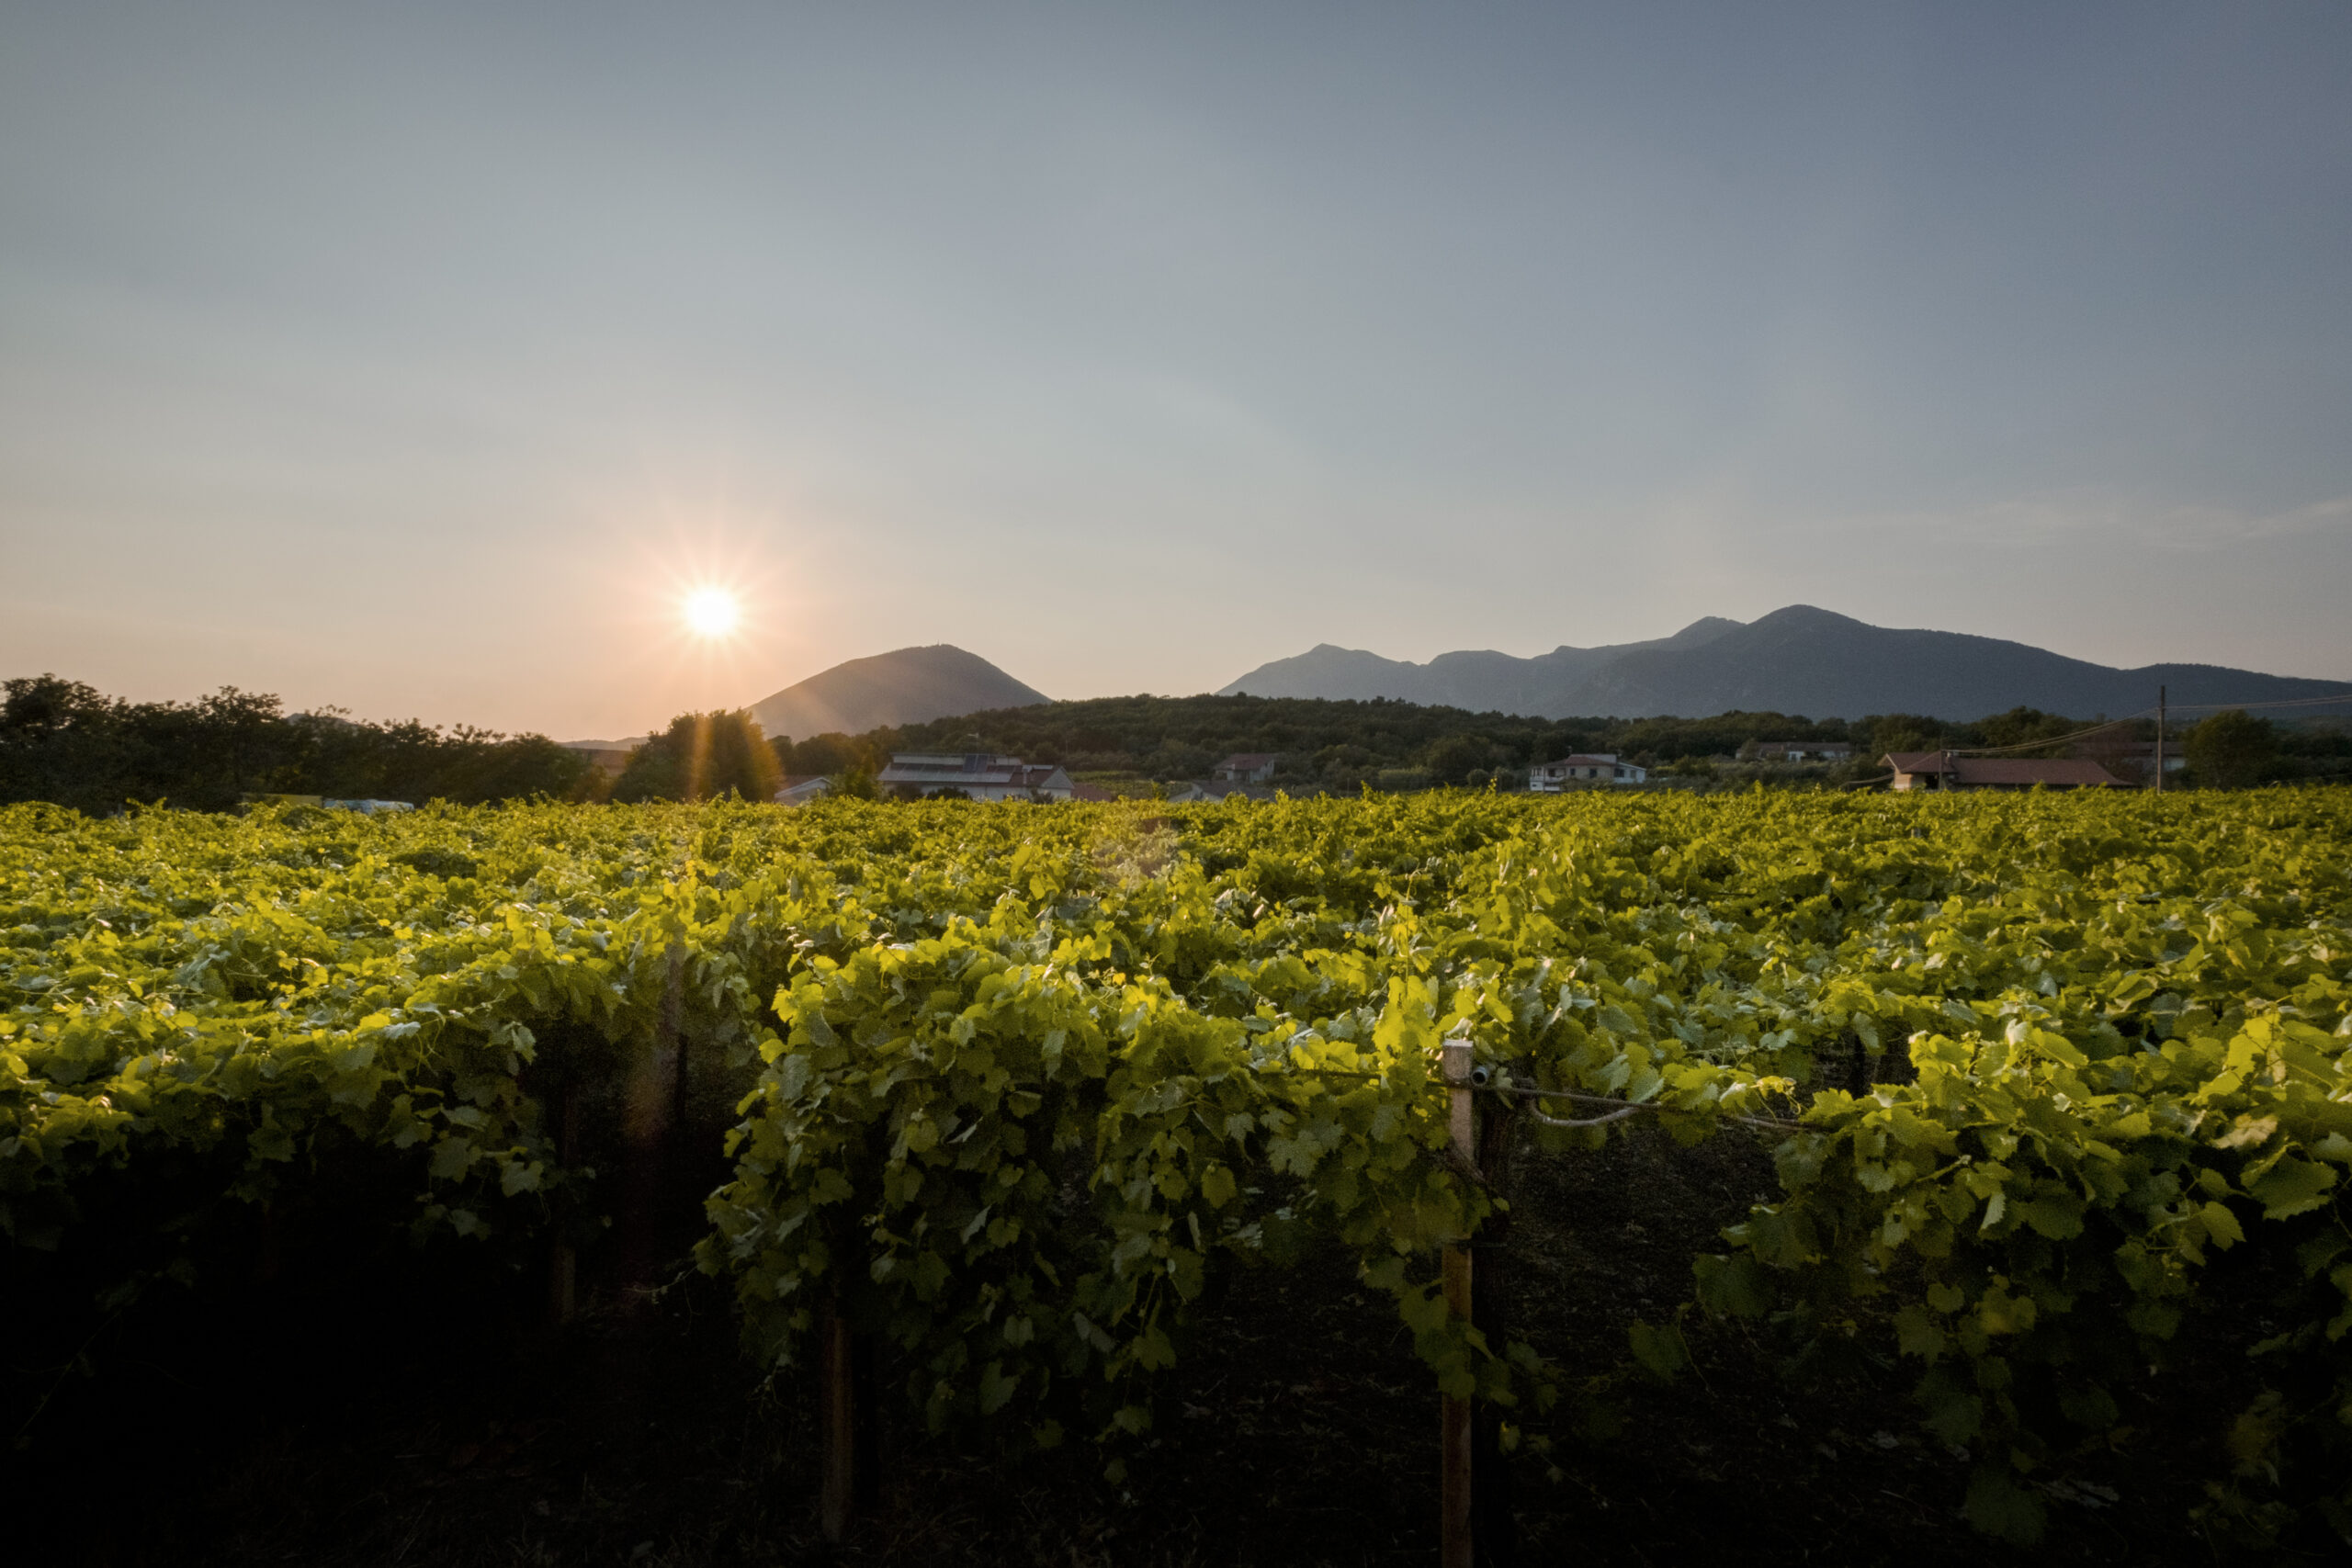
[1706, 628]
[907, 685]
[1805, 614]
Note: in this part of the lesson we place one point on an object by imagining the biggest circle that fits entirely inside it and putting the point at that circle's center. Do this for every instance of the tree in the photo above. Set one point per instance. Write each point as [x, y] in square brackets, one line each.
[2230, 750]
[63, 741]
[38, 706]
[856, 782]
[245, 729]
[703, 756]
[1453, 760]
[2022, 726]
[495, 767]
[1882, 733]
[831, 754]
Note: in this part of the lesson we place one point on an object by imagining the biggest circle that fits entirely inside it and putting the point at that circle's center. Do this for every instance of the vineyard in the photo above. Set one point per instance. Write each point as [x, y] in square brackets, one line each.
[1001, 1102]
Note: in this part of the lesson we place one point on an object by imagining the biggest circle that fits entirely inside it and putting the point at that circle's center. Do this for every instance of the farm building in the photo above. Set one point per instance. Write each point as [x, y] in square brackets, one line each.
[1950, 770]
[974, 775]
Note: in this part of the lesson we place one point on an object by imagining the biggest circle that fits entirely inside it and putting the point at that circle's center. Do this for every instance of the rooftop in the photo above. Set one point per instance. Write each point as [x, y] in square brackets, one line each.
[2075, 771]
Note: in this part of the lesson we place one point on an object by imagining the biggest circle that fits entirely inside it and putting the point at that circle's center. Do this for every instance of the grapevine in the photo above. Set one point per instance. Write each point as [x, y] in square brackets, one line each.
[1016, 1085]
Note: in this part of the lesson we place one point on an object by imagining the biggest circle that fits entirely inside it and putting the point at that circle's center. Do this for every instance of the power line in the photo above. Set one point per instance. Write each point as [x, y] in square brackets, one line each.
[2054, 741]
[2343, 698]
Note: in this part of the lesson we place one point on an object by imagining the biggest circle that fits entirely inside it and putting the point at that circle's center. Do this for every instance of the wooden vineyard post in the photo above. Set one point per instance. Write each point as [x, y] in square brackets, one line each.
[649, 1127]
[1493, 1527]
[563, 1260]
[838, 1413]
[1457, 1491]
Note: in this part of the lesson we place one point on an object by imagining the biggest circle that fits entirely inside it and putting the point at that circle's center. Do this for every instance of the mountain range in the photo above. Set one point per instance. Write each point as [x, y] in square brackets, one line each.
[1796, 660]
[1800, 659]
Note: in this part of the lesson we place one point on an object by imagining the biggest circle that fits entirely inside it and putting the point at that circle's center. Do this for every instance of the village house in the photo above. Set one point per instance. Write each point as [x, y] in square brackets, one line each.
[1948, 770]
[1220, 788]
[608, 758]
[799, 789]
[1581, 772]
[1247, 767]
[328, 802]
[977, 775]
[1797, 751]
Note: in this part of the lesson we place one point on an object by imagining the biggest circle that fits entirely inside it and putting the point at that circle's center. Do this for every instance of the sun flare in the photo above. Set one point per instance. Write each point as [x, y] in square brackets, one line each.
[713, 612]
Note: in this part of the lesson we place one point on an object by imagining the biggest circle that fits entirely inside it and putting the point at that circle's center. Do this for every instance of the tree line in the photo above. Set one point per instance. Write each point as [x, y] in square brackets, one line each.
[1343, 745]
[1334, 744]
[65, 742]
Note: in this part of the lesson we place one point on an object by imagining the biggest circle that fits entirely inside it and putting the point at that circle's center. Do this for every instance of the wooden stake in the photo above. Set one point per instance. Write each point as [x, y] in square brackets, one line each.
[673, 1023]
[649, 1124]
[838, 1413]
[563, 1260]
[271, 1262]
[865, 1496]
[1456, 1492]
[1494, 1527]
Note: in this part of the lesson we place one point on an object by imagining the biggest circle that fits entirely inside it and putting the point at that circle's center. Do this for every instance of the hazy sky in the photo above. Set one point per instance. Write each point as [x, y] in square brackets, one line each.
[414, 357]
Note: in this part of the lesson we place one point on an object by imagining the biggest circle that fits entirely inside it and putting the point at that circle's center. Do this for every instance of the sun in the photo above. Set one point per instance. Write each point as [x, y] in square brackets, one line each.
[712, 613]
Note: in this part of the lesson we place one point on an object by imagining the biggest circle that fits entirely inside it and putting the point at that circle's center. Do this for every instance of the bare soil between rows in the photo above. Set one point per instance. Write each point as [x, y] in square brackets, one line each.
[366, 1424]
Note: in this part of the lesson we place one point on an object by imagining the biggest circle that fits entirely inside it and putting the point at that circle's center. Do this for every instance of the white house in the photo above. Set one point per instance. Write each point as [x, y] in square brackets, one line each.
[1802, 752]
[1247, 767]
[976, 774]
[332, 803]
[1581, 772]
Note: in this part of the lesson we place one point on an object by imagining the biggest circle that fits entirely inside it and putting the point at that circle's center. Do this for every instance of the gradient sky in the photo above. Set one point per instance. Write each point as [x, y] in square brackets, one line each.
[414, 357]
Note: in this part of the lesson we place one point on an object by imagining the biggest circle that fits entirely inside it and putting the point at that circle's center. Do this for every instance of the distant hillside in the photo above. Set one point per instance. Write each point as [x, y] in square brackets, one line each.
[1325, 743]
[912, 685]
[1796, 660]
[1481, 681]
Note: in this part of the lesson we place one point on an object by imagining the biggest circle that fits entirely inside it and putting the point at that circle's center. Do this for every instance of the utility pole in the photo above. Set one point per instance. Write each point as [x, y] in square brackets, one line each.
[2160, 741]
